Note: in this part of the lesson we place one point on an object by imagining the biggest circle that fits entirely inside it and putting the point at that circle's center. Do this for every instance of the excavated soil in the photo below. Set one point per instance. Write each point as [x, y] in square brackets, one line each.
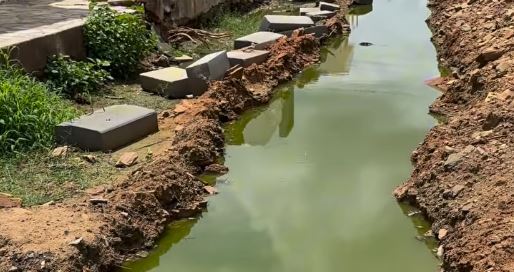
[99, 232]
[464, 178]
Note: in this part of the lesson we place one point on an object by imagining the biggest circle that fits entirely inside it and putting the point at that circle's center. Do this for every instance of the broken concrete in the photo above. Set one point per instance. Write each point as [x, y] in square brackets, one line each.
[304, 11]
[320, 15]
[329, 6]
[318, 31]
[109, 128]
[172, 82]
[279, 23]
[247, 57]
[211, 67]
[259, 40]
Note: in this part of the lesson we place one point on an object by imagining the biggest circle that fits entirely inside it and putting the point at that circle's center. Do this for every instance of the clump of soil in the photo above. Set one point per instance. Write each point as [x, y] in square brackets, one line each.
[463, 178]
[99, 232]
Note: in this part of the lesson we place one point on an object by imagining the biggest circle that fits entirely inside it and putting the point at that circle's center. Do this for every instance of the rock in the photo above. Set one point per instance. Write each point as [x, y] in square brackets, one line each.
[491, 121]
[442, 233]
[89, 158]
[489, 54]
[210, 190]
[127, 159]
[76, 242]
[216, 169]
[456, 190]
[455, 158]
[183, 58]
[440, 252]
[466, 208]
[61, 151]
[8, 201]
[96, 190]
[96, 201]
[481, 134]
[13, 269]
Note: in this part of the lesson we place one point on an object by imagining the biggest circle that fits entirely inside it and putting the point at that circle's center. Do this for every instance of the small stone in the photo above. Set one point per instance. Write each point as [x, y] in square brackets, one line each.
[13, 269]
[96, 190]
[183, 58]
[481, 134]
[96, 201]
[76, 242]
[210, 190]
[442, 233]
[466, 208]
[489, 54]
[127, 159]
[440, 252]
[456, 190]
[89, 158]
[216, 169]
[61, 151]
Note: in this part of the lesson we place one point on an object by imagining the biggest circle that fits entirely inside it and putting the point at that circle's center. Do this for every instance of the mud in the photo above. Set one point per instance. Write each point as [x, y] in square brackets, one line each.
[464, 178]
[100, 232]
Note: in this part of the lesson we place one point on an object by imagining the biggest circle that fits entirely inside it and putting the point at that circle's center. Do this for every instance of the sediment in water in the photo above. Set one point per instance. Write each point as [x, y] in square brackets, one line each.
[463, 178]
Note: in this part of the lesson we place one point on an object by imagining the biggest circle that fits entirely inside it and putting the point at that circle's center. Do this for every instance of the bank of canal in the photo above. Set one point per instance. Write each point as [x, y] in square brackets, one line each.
[311, 174]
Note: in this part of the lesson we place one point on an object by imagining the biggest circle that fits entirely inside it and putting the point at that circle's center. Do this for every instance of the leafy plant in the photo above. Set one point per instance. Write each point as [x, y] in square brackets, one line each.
[72, 77]
[28, 110]
[120, 38]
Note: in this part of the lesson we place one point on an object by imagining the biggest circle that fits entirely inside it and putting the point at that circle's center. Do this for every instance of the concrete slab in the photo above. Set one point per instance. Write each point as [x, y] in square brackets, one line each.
[320, 15]
[328, 6]
[318, 31]
[279, 23]
[304, 11]
[362, 2]
[211, 67]
[172, 82]
[109, 128]
[247, 57]
[259, 40]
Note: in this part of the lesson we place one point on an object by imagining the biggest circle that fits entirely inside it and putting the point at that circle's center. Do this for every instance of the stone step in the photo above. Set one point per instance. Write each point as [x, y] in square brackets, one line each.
[329, 6]
[172, 82]
[211, 67]
[259, 40]
[318, 31]
[109, 128]
[247, 57]
[320, 15]
[279, 23]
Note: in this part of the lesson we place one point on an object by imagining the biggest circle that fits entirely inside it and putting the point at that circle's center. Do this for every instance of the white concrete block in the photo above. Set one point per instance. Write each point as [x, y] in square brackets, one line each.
[259, 40]
[279, 23]
[211, 67]
[172, 82]
[247, 57]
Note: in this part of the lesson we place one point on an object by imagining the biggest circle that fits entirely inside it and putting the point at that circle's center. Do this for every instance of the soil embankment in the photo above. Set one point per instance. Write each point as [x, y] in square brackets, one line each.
[100, 231]
[464, 178]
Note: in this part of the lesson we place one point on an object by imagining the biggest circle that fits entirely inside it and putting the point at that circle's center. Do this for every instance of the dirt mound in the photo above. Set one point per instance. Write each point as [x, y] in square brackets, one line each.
[98, 233]
[463, 178]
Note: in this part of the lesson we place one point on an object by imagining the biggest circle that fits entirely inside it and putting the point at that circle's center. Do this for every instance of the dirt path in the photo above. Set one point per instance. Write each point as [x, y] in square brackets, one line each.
[464, 177]
[99, 232]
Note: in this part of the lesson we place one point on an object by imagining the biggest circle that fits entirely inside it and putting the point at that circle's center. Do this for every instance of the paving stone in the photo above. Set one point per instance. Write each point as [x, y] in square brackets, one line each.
[320, 15]
[318, 31]
[247, 57]
[328, 6]
[304, 11]
[211, 67]
[279, 23]
[109, 128]
[172, 82]
[259, 40]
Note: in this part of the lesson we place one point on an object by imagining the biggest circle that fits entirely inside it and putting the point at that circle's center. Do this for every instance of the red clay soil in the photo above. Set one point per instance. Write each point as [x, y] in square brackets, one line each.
[464, 176]
[99, 232]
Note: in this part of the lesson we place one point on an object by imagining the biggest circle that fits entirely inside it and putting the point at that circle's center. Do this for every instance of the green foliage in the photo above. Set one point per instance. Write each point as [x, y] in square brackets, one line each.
[71, 77]
[121, 39]
[28, 110]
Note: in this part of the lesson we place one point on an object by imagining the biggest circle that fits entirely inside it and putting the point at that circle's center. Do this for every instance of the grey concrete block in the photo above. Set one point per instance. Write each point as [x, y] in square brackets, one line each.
[211, 67]
[320, 15]
[318, 31]
[247, 57]
[109, 128]
[172, 82]
[304, 11]
[328, 6]
[259, 40]
[279, 23]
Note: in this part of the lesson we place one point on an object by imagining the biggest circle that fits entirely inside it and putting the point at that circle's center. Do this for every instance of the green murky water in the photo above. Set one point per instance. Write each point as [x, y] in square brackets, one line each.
[312, 174]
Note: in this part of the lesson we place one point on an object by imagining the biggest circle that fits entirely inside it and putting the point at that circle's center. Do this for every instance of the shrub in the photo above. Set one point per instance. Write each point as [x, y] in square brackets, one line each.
[28, 110]
[121, 39]
[71, 77]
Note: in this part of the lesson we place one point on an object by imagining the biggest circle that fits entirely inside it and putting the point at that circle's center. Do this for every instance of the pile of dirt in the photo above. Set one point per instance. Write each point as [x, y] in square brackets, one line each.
[100, 231]
[464, 177]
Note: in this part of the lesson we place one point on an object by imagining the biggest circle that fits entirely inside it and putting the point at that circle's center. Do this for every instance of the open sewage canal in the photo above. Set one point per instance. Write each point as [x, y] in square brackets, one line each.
[311, 174]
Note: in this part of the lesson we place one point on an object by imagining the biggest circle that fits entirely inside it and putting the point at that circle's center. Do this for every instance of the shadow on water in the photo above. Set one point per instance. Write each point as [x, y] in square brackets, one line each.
[311, 174]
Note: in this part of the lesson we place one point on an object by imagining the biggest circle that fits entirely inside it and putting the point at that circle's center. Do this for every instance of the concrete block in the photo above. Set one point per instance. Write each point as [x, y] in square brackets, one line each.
[328, 6]
[259, 40]
[172, 82]
[320, 15]
[362, 2]
[304, 11]
[279, 23]
[211, 67]
[109, 128]
[318, 31]
[247, 57]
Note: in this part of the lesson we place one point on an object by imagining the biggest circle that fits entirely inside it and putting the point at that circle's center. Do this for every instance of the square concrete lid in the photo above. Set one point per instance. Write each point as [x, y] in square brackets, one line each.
[261, 36]
[110, 118]
[207, 58]
[169, 74]
[246, 53]
[289, 19]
